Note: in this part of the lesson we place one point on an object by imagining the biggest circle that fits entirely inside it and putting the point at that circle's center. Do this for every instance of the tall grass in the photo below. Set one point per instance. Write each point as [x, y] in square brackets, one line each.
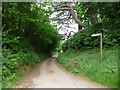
[88, 64]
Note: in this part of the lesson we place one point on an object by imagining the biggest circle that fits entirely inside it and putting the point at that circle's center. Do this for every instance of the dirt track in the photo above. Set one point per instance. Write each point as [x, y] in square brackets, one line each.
[49, 74]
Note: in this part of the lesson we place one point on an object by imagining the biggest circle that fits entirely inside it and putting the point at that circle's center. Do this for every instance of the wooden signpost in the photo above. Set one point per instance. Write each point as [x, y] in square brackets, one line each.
[99, 34]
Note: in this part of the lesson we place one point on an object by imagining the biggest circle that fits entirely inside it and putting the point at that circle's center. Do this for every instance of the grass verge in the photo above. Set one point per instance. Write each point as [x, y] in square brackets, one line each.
[87, 63]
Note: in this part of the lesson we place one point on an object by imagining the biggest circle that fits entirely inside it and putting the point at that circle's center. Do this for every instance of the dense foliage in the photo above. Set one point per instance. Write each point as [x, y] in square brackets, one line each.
[94, 12]
[83, 40]
[99, 18]
[27, 36]
[81, 52]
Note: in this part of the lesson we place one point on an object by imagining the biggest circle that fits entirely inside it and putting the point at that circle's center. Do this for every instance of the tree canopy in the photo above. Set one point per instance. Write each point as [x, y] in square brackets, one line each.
[99, 18]
[27, 37]
[29, 20]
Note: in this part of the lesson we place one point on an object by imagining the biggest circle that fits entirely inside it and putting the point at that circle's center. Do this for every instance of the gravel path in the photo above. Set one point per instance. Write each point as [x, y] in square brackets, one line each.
[49, 74]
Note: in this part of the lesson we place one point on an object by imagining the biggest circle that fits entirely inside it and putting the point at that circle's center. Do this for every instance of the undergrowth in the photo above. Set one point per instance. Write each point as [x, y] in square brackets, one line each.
[12, 59]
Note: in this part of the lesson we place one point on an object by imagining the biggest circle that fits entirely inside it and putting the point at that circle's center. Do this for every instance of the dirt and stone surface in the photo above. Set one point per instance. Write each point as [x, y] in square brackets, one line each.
[49, 74]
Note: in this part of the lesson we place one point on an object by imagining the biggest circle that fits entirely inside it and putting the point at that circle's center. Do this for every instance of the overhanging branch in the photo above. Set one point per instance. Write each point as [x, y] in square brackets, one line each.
[72, 14]
[58, 9]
